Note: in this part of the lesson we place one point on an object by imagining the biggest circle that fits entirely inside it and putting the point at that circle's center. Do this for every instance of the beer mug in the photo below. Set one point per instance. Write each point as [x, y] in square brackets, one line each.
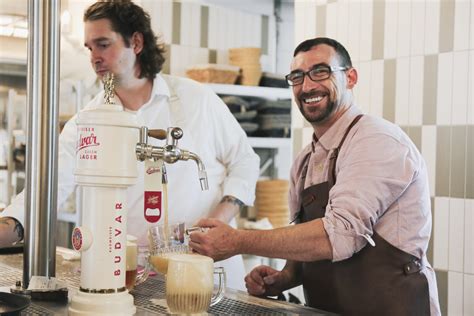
[137, 266]
[190, 283]
[165, 240]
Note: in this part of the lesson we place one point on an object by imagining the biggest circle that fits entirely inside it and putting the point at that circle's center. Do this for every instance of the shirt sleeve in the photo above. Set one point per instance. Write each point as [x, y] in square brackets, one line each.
[233, 151]
[373, 172]
[66, 164]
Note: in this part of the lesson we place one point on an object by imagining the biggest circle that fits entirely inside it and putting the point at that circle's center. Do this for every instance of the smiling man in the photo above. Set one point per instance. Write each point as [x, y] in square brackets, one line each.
[359, 197]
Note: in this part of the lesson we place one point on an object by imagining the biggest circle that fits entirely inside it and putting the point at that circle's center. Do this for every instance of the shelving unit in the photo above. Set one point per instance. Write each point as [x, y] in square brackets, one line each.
[280, 158]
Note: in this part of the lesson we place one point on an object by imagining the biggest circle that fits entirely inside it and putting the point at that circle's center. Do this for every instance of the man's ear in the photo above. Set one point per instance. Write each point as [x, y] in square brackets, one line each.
[352, 76]
[137, 42]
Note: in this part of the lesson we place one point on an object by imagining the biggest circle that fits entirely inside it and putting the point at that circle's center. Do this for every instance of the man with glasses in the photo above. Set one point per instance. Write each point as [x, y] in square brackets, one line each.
[359, 196]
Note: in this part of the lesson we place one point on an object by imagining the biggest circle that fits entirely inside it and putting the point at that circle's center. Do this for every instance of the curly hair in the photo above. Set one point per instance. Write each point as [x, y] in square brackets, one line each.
[126, 19]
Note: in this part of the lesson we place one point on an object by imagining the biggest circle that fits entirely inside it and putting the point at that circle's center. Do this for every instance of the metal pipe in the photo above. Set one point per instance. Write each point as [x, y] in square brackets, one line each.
[42, 141]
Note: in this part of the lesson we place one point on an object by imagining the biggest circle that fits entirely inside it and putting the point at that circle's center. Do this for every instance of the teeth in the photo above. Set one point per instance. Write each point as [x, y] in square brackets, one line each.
[316, 99]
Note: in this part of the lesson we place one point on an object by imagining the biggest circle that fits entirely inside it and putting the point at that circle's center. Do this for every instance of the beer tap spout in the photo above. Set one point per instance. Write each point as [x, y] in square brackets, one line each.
[201, 171]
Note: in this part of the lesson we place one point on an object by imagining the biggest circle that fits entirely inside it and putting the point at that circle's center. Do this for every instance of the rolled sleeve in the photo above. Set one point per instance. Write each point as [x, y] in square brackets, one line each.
[367, 185]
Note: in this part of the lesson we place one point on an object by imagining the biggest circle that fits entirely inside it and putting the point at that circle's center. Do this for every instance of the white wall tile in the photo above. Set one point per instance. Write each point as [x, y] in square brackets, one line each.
[470, 90]
[471, 40]
[390, 36]
[455, 293]
[366, 12]
[445, 88]
[404, 27]
[186, 24]
[461, 24]
[441, 233]
[332, 17]
[363, 87]
[428, 150]
[417, 38]
[300, 23]
[376, 91]
[402, 91]
[432, 8]
[456, 235]
[161, 18]
[342, 18]
[195, 31]
[469, 237]
[460, 87]
[468, 294]
[416, 91]
[353, 25]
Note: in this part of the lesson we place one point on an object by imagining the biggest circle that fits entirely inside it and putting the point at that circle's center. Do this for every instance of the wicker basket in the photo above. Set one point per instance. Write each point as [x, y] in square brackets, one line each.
[214, 73]
[244, 55]
[272, 201]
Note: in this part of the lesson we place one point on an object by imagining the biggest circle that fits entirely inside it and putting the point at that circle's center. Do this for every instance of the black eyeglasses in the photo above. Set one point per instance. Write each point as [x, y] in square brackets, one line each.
[318, 73]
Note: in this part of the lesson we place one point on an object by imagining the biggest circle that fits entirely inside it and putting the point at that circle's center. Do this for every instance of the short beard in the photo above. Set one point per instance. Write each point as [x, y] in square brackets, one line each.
[318, 117]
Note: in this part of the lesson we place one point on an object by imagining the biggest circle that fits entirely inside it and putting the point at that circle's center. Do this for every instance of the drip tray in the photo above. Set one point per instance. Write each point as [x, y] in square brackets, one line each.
[150, 296]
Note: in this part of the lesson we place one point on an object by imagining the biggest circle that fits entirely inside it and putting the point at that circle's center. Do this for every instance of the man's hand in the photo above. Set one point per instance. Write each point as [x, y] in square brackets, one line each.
[219, 242]
[11, 231]
[266, 281]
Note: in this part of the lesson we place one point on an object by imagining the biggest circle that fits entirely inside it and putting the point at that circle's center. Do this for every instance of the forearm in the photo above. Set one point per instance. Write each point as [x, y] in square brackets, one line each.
[11, 231]
[227, 208]
[302, 242]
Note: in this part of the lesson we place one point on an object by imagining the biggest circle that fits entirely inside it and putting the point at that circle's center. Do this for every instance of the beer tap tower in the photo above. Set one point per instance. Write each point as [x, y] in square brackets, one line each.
[106, 165]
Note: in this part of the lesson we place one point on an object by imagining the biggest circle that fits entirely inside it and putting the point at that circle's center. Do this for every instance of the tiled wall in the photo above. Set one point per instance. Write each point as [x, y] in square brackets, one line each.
[197, 33]
[416, 68]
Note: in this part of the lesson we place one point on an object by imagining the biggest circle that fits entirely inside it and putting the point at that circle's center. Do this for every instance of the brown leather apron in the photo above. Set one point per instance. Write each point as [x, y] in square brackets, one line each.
[380, 280]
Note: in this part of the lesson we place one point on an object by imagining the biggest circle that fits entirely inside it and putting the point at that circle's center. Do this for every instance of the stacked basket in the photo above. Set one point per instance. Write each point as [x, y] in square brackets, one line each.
[248, 59]
[272, 201]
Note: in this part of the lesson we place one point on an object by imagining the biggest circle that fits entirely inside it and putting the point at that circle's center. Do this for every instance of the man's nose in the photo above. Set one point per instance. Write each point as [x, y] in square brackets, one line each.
[95, 57]
[308, 84]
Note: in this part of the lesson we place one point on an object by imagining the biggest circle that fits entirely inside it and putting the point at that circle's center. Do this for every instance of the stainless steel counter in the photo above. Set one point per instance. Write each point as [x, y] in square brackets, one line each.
[149, 296]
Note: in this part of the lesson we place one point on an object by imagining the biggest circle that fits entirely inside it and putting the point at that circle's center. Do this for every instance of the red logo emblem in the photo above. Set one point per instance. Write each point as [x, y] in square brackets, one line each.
[77, 239]
[152, 206]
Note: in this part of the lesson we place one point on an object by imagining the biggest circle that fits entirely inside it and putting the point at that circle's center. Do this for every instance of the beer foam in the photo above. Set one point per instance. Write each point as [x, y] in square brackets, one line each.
[196, 271]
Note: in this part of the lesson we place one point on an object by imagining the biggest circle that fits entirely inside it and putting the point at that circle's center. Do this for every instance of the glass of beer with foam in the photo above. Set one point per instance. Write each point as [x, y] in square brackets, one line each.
[165, 240]
[190, 283]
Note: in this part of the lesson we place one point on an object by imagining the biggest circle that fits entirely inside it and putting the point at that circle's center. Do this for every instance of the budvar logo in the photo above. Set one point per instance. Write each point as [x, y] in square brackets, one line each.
[85, 141]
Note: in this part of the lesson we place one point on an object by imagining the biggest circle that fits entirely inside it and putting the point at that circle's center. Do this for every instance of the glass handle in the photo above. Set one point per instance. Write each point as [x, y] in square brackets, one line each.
[216, 298]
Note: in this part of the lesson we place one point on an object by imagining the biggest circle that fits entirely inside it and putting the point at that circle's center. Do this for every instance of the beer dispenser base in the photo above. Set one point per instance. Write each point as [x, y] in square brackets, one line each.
[102, 304]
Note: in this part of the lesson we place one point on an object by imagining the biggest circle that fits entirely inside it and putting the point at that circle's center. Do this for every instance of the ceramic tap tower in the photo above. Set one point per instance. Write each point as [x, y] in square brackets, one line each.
[105, 166]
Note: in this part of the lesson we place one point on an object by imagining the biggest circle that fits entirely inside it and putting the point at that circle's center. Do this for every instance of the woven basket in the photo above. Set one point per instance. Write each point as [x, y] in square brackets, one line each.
[272, 201]
[244, 55]
[214, 74]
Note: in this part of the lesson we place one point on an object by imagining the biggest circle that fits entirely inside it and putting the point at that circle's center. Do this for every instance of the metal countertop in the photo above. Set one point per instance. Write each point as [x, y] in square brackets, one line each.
[149, 296]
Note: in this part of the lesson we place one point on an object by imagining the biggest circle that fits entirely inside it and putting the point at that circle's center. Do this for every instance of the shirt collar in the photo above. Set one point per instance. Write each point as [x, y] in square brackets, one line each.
[332, 137]
[159, 89]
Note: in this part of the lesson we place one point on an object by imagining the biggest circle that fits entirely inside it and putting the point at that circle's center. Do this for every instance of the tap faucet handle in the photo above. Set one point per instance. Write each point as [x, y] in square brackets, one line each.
[176, 133]
[157, 133]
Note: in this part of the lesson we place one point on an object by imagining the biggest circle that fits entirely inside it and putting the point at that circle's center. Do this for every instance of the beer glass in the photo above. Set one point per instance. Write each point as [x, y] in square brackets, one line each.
[165, 240]
[137, 266]
[190, 283]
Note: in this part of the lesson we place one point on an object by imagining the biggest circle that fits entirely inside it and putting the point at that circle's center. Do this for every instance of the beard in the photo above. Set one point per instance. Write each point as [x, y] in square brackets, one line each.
[316, 115]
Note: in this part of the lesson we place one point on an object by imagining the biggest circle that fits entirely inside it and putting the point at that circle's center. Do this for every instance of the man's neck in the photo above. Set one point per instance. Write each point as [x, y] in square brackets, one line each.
[321, 127]
[134, 93]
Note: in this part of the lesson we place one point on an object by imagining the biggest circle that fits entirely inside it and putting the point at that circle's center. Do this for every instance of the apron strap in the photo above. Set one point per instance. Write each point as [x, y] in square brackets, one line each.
[335, 153]
[177, 117]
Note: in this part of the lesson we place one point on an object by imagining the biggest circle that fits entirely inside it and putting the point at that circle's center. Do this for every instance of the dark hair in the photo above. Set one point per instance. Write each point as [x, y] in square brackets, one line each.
[344, 56]
[127, 18]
